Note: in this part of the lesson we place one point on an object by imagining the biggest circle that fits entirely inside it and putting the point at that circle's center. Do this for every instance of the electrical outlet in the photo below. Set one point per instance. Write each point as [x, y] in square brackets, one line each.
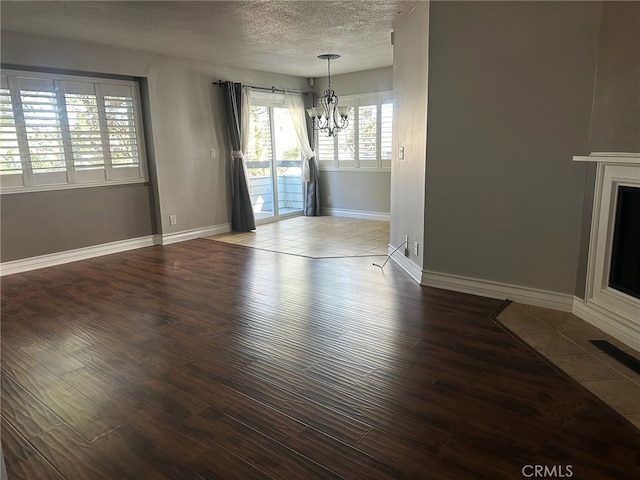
[173, 219]
[401, 152]
[329, 200]
[415, 248]
[213, 153]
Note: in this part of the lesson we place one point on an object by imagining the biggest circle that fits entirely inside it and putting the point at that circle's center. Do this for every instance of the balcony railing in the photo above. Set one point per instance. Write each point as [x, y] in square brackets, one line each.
[289, 184]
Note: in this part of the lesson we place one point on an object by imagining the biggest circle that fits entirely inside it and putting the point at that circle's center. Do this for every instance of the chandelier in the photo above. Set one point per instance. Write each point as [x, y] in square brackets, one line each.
[329, 117]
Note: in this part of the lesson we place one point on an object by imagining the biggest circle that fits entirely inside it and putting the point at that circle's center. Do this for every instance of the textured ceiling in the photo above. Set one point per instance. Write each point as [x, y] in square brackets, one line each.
[274, 36]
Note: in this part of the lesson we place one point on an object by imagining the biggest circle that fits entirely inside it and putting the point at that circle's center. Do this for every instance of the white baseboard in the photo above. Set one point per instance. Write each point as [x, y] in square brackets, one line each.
[363, 214]
[413, 270]
[619, 327]
[59, 258]
[185, 235]
[52, 259]
[609, 322]
[502, 291]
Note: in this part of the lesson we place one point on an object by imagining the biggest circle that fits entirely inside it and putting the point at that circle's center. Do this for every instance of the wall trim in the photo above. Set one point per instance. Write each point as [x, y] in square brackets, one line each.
[592, 312]
[363, 214]
[412, 269]
[498, 290]
[608, 321]
[169, 238]
[59, 258]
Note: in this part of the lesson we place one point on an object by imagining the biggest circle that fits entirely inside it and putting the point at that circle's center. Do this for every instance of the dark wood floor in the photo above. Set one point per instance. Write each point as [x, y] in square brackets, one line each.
[204, 360]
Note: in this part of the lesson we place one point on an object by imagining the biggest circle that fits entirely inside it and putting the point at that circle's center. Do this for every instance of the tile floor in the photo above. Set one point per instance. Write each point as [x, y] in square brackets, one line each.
[316, 237]
[563, 339]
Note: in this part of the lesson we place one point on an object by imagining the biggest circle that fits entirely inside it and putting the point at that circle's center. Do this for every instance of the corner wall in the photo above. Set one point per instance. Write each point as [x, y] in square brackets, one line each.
[410, 74]
[510, 96]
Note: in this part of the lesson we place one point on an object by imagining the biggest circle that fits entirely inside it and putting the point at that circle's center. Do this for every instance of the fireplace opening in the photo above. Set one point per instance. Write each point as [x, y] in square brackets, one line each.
[625, 253]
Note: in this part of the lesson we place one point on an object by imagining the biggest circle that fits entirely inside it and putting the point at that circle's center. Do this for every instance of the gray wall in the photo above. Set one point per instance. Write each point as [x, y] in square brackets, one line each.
[364, 191]
[47, 222]
[410, 73]
[367, 81]
[186, 115]
[356, 191]
[615, 124]
[510, 97]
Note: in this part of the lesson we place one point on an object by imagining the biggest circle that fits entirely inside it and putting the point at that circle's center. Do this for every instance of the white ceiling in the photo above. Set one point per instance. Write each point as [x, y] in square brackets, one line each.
[271, 35]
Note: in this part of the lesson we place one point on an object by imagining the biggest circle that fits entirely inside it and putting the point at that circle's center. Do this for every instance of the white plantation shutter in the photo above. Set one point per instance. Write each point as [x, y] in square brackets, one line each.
[64, 130]
[121, 127]
[122, 131]
[10, 162]
[368, 136]
[386, 134]
[347, 143]
[85, 134]
[43, 130]
[366, 142]
[326, 149]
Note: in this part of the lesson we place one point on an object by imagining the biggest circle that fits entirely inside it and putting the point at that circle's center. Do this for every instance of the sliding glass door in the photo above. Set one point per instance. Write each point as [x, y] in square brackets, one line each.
[274, 161]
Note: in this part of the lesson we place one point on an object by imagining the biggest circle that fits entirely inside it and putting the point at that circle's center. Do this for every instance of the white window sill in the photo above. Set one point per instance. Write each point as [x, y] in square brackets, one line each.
[69, 186]
[355, 169]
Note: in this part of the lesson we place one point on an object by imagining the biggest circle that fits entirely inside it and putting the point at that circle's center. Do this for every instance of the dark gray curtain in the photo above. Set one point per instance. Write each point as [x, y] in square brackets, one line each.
[242, 219]
[312, 206]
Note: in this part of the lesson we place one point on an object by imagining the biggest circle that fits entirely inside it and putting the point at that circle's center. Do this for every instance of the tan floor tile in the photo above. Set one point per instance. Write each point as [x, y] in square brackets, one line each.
[552, 344]
[563, 321]
[623, 395]
[535, 310]
[317, 237]
[585, 367]
[582, 335]
[616, 365]
[378, 251]
[521, 322]
[634, 419]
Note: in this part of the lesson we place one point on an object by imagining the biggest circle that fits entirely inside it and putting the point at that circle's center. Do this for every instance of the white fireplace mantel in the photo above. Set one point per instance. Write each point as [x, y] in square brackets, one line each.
[614, 312]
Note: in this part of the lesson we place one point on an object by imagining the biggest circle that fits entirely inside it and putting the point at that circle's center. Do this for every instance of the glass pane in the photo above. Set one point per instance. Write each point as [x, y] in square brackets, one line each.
[84, 130]
[288, 163]
[44, 132]
[123, 142]
[259, 156]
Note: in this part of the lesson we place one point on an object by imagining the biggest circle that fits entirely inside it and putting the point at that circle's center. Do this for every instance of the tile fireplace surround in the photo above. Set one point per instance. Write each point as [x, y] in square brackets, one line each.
[612, 311]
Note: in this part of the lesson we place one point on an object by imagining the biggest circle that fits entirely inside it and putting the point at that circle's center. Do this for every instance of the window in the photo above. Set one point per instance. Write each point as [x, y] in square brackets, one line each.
[366, 142]
[274, 158]
[62, 131]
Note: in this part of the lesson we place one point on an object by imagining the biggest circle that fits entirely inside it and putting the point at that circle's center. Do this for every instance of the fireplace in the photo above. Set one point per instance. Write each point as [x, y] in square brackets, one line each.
[612, 300]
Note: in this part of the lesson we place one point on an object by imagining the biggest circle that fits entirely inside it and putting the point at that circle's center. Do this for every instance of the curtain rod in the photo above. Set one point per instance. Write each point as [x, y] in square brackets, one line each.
[271, 89]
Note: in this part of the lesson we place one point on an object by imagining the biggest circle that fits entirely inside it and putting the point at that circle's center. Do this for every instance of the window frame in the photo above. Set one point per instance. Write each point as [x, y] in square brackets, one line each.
[356, 101]
[69, 178]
